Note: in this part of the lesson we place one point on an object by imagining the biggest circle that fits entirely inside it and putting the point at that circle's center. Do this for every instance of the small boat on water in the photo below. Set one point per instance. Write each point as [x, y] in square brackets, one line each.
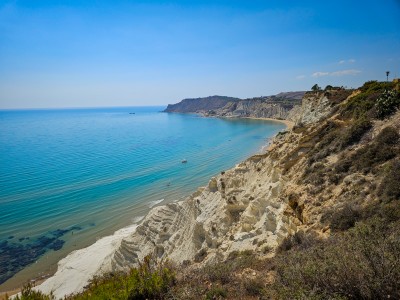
[184, 161]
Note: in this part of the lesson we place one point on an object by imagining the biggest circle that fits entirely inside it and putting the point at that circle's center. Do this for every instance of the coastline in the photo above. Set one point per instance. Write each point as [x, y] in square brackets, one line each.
[289, 124]
[74, 270]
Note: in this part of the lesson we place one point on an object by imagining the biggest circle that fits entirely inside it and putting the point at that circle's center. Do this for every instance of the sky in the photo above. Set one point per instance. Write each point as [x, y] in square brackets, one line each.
[136, 53]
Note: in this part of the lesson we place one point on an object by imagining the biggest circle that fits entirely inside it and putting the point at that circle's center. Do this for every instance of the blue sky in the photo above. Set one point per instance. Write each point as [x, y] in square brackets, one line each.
[127, 53]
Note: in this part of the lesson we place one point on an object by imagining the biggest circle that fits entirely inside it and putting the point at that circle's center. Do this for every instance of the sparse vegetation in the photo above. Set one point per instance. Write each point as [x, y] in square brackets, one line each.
[28, 293]
[355, 132]
[216, 293]
[362, 264]
[382, 149]
[389, 189]
[387, 103]
[345, 217]
[337, 95]
[364, 104]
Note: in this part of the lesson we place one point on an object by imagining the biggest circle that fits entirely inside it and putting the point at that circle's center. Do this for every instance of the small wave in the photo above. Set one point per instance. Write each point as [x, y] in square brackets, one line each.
[154, 203]
[137, 219]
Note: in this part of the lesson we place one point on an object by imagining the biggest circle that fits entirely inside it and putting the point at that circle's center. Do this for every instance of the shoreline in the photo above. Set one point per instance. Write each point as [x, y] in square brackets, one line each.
[289, 124]
[98, 252]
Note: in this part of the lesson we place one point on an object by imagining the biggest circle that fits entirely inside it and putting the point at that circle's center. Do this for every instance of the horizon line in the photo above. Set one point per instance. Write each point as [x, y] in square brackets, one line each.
[79, 107]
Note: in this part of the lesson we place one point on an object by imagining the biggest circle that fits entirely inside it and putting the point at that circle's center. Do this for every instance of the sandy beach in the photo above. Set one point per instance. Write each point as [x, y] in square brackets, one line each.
[289, 124]
[75, 270]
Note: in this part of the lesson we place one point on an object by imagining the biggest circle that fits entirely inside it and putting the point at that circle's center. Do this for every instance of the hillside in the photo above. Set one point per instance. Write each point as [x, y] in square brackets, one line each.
[199, 104]
[316, 217]
[280, 106]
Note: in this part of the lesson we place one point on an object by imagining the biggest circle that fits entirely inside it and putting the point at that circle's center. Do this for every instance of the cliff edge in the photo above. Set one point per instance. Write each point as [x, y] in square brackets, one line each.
[281, 106]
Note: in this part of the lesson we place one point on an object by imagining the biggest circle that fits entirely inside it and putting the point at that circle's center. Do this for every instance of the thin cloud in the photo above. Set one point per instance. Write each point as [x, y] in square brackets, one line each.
[349, 61]
[320, 74]
[337, 73]
[301, 77]
[345, 72]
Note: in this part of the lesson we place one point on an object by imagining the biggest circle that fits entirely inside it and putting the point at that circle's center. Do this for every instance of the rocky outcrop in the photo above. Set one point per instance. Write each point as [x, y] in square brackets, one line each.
[279, 106]
[240, 209]
[256, 108]
[200, 104]
[314, 107]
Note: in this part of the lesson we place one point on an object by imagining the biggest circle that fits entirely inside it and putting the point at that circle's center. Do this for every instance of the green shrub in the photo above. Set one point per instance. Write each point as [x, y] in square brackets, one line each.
[376, 86]
[151, 280]
[27, 293]
[345, 218]
[364, 263]
[254, 287]
[299, 240]
[387, 103]
[343, 165]
[383, 148]
[356, 131]
[338, 96]
[315, 88]
[327, 139]
[220, 272]
[388, 136]
[369, 157]
[364, 104]
[389, 189]
[216, 293]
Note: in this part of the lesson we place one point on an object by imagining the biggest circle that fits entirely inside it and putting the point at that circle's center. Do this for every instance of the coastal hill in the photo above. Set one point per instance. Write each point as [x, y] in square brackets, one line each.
[276, 106]
[315, 217]
[193, 105]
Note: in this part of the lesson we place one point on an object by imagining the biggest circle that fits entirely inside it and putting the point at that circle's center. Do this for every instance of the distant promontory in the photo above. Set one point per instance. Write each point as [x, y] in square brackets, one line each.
[276, 106]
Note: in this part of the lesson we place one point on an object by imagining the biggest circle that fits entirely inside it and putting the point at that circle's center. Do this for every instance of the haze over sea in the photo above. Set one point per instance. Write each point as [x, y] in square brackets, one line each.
[71, 176]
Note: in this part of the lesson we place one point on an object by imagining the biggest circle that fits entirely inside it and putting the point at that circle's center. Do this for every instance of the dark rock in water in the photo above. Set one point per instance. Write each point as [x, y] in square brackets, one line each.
[56, 245]
[59, 232]
[14, 256]
[44, 240]
[75, 228]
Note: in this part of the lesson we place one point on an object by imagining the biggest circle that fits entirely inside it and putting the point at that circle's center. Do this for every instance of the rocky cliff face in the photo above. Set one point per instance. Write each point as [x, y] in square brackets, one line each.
[315, 107]
[254, 108]
[278, 106]
[200, 104]
[239, 209]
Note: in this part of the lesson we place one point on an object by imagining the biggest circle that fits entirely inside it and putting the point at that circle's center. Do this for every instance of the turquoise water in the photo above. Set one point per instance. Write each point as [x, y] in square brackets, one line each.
[69, 176]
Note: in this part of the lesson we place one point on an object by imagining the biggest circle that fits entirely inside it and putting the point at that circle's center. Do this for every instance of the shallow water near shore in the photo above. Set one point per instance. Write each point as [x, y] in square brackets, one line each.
[71, 176]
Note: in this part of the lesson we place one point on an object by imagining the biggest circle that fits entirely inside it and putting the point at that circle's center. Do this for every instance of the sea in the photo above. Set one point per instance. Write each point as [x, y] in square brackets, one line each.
[71, 176]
